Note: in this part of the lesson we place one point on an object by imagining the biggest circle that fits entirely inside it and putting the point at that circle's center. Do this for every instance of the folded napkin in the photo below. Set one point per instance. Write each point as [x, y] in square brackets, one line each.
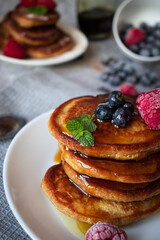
[30, 95]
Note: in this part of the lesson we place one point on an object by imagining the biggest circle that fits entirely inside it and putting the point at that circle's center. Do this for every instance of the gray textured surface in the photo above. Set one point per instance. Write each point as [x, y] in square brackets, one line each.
[30, 91]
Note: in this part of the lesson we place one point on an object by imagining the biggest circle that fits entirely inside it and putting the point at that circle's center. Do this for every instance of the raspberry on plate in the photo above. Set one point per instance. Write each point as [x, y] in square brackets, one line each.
[134, 36]
[14, 50]
[29, 3]
[104, 231]
[128, 88]
[148, 105]
[50, 4]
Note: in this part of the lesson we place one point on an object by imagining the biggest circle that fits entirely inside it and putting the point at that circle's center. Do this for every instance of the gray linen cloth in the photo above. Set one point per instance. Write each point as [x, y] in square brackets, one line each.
[31, 95]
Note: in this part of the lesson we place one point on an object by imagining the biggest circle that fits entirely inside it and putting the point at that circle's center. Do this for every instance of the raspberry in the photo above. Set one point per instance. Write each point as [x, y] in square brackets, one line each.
[148, 105]
[134, 36]
[14, 50]
[50, 4]
[128, 88]
[105, 231]
[28, 3]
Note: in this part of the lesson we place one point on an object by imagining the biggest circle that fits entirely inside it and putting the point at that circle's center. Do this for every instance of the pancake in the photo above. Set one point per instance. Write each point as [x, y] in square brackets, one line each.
[144, 170]
[4, 34]
[73, 202]
[111, 190]
[38, 36]
[28, 20]
[135, 141]
[62, 45]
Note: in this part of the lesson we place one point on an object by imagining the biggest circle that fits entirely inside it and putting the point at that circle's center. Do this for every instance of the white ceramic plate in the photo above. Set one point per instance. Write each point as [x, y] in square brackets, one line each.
[29, 156]
[81, 44]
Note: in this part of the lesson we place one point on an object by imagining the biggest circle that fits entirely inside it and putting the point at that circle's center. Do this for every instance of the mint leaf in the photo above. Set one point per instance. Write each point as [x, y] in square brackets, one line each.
[37, 10]
[74, 125]
[86, 139]
[77, 134]
[81, 127]
[87, 122]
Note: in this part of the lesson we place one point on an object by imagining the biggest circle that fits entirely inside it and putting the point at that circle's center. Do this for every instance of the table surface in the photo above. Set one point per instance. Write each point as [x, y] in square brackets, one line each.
[84, 72]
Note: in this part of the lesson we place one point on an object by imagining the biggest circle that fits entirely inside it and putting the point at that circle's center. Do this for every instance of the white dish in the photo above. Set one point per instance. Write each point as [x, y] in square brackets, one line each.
[81, 44]
[135, 12]
[29, 156]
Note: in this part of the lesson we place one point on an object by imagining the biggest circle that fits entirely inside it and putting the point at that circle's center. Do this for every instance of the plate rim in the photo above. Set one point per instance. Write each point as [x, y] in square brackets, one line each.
[10, 201]
[63, 58]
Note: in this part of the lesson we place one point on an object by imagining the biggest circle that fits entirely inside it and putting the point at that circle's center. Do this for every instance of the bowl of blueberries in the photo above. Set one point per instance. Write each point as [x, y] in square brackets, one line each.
[136, 29]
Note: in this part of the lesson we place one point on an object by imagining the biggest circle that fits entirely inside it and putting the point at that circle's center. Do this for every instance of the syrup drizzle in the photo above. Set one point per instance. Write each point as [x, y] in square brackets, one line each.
[77, 227]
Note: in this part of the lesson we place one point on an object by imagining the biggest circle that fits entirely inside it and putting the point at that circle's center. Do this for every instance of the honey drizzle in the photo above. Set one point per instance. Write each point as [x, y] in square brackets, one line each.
[68, 221]
[57, 157]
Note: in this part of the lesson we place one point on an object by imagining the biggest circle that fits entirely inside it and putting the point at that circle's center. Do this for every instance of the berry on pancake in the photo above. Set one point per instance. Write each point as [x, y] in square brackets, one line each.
[49, 4]
[148, 105]
[14, 50]
[29, 3]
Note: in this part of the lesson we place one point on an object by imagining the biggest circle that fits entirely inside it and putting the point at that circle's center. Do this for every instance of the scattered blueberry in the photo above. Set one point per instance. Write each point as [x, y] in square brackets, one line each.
[104, 89]
[120, 72]
[145, 80]
[116, 99]
[131, 79]
[114, 80]
[104, 112]
[122, 117]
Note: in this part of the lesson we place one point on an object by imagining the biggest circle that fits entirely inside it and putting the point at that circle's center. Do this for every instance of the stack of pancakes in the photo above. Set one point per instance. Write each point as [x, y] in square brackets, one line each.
[39, 34]
[117, 180]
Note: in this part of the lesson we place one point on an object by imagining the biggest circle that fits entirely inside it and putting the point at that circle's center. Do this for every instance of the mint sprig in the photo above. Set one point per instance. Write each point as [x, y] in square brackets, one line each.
[37, 10]
[82, 127]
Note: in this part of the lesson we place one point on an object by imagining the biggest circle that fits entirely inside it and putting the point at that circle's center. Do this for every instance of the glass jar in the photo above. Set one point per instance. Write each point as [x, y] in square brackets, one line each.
[95, 17]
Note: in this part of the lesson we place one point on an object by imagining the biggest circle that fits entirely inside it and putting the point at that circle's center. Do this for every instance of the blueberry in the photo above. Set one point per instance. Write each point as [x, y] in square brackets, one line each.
[157, 43]
[104, 77]
[122, 75]
[157, 25]
[149, 30]
[144, 52]
[152, 76]
[128, 69]
[143, 25]
[145, 80]
[129, 106]
[122, 117]
[155, 52]
[108, 61]
[150, 39]
[106, 100]
[128, 26]
[103, 89]
[114, 80]
[142, 45]
[116, 99]
[157, 34]
[104, 112]
[131, 79]
[134, 48]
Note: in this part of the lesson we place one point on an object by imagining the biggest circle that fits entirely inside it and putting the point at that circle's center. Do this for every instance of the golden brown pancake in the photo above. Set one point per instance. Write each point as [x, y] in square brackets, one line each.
[62, 45]
[111, 190]
[144, 170]
[28, 20]
[135, 141]
[73, 202]
[38, 36]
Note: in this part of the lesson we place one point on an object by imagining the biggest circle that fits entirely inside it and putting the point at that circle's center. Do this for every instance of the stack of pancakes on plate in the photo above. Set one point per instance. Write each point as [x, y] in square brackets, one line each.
[39, 34]
[117, 180]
